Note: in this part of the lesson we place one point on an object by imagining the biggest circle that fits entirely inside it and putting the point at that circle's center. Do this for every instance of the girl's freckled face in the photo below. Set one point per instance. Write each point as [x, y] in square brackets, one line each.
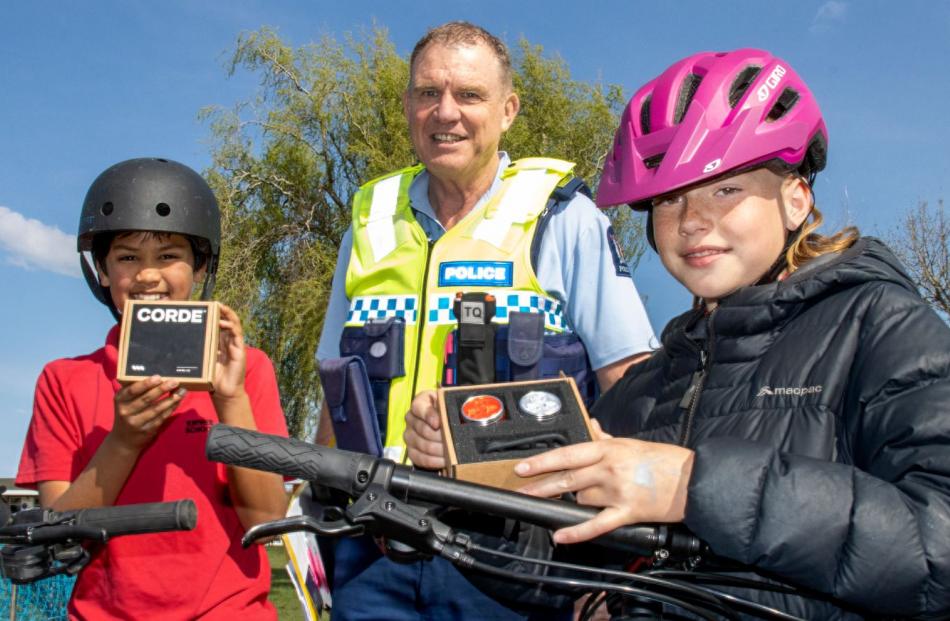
[723, 235]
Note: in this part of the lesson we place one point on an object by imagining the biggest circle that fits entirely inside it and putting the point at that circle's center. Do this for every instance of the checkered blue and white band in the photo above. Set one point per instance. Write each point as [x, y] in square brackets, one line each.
[365, 308]
[440, 308]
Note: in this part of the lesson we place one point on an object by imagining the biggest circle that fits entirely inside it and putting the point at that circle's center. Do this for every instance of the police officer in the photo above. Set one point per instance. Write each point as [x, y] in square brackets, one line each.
[464, 219]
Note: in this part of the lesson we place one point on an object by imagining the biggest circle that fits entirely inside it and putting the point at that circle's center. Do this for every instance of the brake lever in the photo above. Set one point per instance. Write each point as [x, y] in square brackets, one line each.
[327, 528]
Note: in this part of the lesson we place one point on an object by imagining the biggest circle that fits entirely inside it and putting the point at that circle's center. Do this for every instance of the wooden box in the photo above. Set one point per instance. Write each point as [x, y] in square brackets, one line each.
[174, 340]
[487, 453]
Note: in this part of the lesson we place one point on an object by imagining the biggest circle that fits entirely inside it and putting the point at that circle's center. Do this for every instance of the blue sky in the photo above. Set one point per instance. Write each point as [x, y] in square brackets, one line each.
[86, 84]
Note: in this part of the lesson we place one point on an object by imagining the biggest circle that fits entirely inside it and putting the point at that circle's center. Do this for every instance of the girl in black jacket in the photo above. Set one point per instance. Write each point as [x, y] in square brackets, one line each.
[798, 418]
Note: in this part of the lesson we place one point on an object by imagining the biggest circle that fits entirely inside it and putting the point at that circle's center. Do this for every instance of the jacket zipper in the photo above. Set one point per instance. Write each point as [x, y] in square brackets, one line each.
[422, 319]
[690, 399]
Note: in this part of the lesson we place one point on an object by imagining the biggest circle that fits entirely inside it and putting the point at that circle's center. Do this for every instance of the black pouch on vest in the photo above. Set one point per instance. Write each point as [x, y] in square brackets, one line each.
[476, 355]
[380, 344]
[349, 399]
[475, 338]
[525, 345]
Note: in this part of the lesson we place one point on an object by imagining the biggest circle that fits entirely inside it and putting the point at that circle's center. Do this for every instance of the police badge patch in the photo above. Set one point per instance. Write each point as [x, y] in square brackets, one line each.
[476, 273]
[620, 264]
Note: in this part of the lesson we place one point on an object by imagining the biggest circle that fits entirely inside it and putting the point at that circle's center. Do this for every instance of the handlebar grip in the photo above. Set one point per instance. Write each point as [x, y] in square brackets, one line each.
[137, 519]
[342, 470]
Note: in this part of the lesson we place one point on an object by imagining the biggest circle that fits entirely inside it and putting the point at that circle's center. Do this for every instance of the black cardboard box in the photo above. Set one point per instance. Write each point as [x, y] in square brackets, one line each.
[175, 340]
[488, 453]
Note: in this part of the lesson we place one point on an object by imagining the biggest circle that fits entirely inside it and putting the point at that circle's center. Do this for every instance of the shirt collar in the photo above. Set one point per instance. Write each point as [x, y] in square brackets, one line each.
[419, 197]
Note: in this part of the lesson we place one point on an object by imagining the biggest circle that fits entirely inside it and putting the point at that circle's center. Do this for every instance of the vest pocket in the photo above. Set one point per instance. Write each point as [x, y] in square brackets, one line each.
[380, 344]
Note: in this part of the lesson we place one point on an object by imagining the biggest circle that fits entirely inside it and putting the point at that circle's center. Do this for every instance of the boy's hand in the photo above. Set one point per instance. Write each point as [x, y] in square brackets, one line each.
[142, 408]
[232, 357]
[423, 436]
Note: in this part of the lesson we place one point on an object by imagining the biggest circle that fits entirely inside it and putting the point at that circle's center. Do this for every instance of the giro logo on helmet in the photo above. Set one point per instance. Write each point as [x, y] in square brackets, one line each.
[771, 82]
[713, 165]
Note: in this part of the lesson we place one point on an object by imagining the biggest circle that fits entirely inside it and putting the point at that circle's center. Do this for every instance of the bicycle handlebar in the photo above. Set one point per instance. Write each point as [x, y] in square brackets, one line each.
[383, 494]
[43, 543]
[351, 472]
[34, 526]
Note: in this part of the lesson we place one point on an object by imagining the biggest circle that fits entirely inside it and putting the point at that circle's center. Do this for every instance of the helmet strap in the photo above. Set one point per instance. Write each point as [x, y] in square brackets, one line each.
[102, 293]
[208, 289]
[651, 238]
[781, 263]
[211, 269]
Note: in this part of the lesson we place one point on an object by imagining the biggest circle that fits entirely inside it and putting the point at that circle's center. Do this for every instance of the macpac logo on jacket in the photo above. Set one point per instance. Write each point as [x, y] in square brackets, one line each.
[795, 391]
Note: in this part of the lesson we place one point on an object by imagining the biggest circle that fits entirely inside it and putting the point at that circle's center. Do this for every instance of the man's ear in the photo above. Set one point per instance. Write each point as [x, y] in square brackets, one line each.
[512, 106]
[405, 104]
[201, 273]
[796, 201]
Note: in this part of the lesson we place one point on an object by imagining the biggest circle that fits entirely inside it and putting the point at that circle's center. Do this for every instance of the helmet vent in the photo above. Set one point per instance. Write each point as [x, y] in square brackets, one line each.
[106, 208]
[783, 104]
[645, 115]
[163, 209]
[742, 83]
[653, 162]
[687, 90]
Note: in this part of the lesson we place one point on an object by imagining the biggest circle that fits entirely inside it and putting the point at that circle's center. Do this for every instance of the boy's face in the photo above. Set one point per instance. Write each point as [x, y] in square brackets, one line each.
[149, 266]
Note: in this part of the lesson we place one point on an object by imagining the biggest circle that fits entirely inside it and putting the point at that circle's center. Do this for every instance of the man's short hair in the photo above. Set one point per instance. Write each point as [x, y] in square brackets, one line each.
[464, 33]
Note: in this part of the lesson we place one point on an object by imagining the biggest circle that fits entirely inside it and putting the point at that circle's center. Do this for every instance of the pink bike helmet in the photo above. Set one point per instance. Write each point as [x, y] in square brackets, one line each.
[709, 114]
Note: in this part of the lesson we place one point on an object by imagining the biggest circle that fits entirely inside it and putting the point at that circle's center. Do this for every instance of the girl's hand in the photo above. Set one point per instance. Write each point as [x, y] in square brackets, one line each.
[141, 408]
[634, 481]
[423, 435]
[232, 356]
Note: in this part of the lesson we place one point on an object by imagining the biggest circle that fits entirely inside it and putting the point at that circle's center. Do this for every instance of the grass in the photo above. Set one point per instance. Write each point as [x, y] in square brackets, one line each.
[282, 593]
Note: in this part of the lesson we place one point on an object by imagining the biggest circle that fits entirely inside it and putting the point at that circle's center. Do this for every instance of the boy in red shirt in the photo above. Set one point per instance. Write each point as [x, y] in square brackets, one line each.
[153, 228]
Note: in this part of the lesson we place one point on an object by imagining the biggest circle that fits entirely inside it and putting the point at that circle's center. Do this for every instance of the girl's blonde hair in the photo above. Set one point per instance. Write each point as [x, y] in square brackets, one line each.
[809, 245]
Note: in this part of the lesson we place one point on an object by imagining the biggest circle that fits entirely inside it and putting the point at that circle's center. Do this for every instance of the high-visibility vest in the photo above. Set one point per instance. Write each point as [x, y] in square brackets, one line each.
[394, 271]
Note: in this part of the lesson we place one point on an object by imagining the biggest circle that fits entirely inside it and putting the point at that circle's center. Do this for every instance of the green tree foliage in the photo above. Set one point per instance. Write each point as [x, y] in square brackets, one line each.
[327, 117]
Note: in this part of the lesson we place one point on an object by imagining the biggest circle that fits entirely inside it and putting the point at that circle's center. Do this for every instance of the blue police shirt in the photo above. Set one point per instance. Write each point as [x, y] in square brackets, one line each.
[578, 263]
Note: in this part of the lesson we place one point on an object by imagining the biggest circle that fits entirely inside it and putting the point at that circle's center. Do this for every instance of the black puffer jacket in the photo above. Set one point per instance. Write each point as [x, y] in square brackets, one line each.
[821, 429]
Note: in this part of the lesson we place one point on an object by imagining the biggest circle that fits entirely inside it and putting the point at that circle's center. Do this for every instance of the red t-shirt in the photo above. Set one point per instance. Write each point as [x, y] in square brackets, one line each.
[203, 573]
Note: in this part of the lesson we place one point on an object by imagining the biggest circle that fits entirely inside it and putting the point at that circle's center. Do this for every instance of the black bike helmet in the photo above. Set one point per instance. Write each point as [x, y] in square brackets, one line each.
[150, 194]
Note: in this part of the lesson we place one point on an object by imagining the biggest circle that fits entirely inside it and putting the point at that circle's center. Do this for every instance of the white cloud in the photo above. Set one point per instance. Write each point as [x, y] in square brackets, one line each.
[31, 244]
[830, 13]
